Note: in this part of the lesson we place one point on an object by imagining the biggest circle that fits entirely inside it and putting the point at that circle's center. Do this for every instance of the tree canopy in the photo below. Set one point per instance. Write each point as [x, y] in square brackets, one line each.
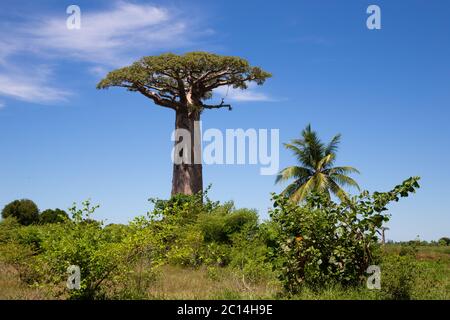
[24, 211]
[53, 216]
[183, 82]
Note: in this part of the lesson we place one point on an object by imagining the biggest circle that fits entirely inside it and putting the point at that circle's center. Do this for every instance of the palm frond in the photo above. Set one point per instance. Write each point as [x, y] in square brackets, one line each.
[344, 180]
[326, 161]
[302, 191]
[343, 170]
[293, 187]
[338, 191]
[293, 172]
[313, 145]
[333, 145]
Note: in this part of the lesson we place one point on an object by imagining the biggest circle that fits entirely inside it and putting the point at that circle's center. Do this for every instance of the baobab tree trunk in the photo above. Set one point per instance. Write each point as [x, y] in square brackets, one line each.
[187, 175]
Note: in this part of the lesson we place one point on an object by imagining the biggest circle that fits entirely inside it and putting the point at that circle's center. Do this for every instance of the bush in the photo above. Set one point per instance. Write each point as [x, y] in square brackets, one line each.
[85, 244]
[219, 225]
[444, 241]
[24, 211]
[408, 249]
[321, 243]
[192, 230]
[8, 229]
[398, 276]
[250, 256]
[185, 207]
[116, 232]
[53, 216]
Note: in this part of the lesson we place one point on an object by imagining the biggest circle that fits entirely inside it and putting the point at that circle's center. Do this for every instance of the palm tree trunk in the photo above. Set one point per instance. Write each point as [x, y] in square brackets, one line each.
[188, 176]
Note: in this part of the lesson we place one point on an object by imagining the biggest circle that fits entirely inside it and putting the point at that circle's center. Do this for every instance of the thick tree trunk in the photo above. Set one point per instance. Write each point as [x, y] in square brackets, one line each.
[188, 176]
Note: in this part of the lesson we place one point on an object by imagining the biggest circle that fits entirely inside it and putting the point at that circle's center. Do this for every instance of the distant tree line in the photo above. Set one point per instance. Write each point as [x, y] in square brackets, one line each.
[26, 212]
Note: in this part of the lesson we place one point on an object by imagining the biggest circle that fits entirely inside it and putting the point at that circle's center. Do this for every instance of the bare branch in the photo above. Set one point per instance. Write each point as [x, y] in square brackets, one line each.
[218, 106]
[158, 99]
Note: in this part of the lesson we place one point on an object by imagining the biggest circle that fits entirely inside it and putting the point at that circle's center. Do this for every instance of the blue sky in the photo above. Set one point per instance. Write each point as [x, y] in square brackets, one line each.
[387, 91]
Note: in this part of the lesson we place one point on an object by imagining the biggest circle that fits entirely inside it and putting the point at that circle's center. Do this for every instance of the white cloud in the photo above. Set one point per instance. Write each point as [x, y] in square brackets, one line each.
[115, 36]
[249, 95]
[31, 87]
[108, 38]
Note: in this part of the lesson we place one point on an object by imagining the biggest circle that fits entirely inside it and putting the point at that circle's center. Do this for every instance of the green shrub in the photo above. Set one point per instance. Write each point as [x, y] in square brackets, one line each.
[87, 245]
[220, 225]
[24, 211]
[250, 255]
[116, 232]
[212, 225]
[321, 243]
[53, 216]
[31, 236]
[398, 276]
[184, 207]
[216, 254]
[193, 230]
[186, 249]
[408, 249]
[8, 229]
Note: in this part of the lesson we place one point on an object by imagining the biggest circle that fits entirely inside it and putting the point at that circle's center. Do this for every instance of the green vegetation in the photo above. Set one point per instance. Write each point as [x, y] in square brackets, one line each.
[319, 241]
[192, 247]
[322, 243]
[53, 216]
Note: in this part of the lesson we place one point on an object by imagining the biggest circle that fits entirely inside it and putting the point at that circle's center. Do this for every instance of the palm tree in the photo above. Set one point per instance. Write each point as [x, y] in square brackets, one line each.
[316, 171]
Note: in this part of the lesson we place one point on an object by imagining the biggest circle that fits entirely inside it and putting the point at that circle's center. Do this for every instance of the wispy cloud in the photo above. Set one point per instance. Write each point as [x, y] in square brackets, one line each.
[2, 104]
[107, 38]
[114, 36]
[249, 95]
[32, 86]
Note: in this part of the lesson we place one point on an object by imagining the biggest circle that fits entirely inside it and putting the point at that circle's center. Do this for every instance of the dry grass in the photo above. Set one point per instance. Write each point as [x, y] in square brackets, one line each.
[12, 288]
[171, 283]
[197, 284]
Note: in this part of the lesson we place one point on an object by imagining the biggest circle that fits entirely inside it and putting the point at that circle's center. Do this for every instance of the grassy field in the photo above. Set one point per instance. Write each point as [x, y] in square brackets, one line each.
[174, 282]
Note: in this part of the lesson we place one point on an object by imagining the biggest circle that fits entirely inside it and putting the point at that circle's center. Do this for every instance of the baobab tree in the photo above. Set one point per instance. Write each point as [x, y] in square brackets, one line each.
[183, 83]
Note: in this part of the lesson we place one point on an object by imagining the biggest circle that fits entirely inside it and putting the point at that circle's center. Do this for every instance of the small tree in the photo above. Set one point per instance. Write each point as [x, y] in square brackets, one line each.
[24, 211]
[53, 216]
[183, 83]
[444, 241]
[320, 242]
